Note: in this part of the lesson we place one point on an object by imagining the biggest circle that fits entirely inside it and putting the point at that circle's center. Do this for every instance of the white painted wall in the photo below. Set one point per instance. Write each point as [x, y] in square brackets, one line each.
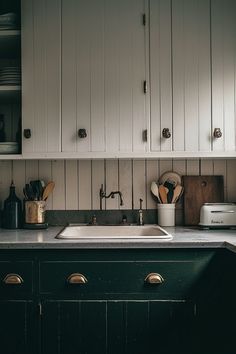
[78, 181]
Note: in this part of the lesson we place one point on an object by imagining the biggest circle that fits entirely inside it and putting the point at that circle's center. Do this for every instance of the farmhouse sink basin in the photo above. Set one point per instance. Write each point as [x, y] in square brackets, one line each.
[114, 232]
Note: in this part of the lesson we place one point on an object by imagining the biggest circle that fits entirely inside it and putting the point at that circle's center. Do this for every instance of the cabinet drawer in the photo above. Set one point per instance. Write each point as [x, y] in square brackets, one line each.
[119, 278]
[16, 279]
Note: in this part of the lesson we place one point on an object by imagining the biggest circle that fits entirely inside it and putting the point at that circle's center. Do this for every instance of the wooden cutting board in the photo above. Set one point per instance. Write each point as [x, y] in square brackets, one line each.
[199, 190]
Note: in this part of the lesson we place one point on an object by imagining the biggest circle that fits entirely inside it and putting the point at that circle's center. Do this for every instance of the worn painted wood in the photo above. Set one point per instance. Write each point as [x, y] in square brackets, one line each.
[45, 173]
[160, 74]
[5, 180]
[223, 72]
[58, 176]
[31, 170]
[85, 190]
[41, 73]
[98, 178]
[19, 176]
[125, 183]
[71, 185]
[152, 173]
[191, 75]
[79, 182]
[111, 176]
[220, 169]
[206, 167]
[139, 183]
[192, 167]
[230, 182]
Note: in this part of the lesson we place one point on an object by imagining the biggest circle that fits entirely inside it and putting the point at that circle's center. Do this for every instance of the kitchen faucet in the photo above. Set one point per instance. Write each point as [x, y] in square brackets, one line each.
[102, 194]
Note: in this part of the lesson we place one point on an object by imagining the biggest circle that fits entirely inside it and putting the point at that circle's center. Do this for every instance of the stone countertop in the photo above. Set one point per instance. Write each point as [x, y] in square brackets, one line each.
[183, 237]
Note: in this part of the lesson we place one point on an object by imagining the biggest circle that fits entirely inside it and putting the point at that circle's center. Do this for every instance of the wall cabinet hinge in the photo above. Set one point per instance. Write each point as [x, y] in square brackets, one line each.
[145, 86]
[40, 309]
[144, 19]
[145, 135]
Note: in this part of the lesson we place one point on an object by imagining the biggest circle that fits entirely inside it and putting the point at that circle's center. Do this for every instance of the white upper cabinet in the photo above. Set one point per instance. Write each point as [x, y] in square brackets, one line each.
[192, 77]
[104, 107]
[128, 78]
[180, 75]
[223, 29]
[41, 84]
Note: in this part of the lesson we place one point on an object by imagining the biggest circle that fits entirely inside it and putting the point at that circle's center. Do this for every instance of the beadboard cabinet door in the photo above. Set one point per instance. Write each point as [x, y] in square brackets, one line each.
[160, 75]
[117, 327]
[191, 61]
[104, 107]
[41, 84]
[223, 30]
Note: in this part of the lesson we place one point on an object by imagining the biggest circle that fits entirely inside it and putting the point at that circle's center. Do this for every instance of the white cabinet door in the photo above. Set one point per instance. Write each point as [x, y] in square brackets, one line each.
[41, 86]
[103, 72]
[160, 74]
[191, 68]
[180, 75]
[223, 73]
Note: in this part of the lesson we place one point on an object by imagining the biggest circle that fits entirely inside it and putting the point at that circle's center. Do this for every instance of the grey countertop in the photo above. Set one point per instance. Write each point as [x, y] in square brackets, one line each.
[183, 237]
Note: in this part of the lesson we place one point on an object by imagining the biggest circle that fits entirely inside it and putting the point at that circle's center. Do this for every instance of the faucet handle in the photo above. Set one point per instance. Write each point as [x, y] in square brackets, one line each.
[94, 220]
[140, 204]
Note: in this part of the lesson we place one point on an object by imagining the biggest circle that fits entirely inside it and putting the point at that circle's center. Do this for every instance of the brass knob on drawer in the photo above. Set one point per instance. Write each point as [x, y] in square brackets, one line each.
[13, 279]
[77, 278]
[154, 278]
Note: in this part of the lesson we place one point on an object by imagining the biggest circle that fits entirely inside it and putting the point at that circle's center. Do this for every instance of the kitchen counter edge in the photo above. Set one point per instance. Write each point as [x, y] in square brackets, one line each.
[183, 237]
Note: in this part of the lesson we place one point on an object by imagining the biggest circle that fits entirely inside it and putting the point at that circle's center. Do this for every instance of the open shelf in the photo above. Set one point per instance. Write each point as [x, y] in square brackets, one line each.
[10, 43]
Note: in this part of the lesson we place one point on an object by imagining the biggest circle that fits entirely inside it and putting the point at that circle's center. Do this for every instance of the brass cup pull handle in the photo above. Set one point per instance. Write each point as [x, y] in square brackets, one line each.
[14, 279]
[77, 278]
[154, 278]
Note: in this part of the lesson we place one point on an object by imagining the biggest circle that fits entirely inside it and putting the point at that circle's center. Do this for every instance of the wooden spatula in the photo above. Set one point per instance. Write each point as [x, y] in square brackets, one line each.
[162, 194]
[48, 190]
[177, 193]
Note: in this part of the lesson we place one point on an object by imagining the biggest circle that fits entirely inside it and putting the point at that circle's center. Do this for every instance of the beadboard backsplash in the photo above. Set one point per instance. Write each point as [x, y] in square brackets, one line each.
[78, 181]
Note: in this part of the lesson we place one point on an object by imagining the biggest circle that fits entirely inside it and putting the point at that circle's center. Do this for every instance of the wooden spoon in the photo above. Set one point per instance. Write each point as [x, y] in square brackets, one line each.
[48, 190]
[155, 191]
[177, 193]
[162, 193]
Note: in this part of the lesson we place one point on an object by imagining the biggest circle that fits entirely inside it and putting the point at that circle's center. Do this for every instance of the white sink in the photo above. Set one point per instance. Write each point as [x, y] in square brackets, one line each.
[117, 231]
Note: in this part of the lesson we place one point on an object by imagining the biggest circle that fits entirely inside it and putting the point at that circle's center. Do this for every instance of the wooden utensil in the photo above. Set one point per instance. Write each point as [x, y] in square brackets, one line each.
[48, 190]
[155, 191]
[162, 193]
[177, 193]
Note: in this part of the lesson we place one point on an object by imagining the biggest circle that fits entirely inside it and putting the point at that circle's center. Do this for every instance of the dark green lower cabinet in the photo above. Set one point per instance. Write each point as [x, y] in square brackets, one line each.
[18, 333]
[112, 309]
[117, 327]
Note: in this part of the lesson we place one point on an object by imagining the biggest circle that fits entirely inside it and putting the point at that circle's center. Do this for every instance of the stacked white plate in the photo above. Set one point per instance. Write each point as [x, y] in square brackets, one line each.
[9, 147]
[8, 21]
[10, 75]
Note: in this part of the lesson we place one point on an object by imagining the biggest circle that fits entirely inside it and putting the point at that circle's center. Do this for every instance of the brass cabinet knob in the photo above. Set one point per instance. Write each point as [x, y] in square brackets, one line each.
[166, 133]
[217, 133]
[13, 279]
[27, 133]
[154, 278]
[82, 133]
[77, 278]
